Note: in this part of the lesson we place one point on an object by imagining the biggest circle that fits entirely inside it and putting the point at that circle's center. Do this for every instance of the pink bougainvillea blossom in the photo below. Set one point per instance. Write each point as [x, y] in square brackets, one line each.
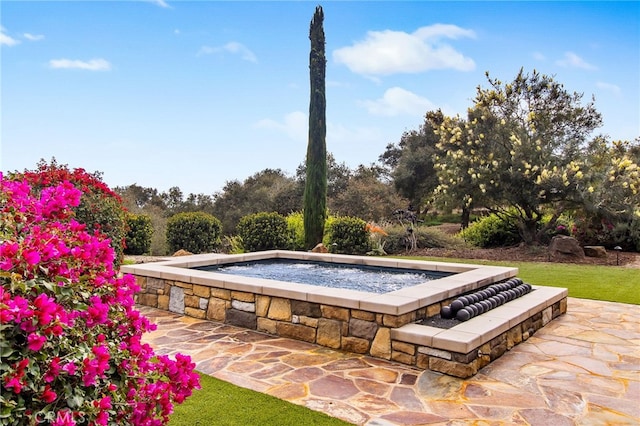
[70, 317]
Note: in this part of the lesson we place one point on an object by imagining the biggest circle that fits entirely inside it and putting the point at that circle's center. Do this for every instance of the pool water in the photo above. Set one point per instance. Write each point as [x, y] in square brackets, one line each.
[372, 279]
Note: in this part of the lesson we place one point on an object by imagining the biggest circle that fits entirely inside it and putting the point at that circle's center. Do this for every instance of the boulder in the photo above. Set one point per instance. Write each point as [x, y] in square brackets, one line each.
[595, 251]
[564, 245]
[561, 244]
[319, 248]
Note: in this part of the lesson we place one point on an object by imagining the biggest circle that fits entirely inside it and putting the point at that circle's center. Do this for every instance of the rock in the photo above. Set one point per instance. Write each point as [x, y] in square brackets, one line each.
[182, 252]
[241, 319]
[595, 251]
[329, 333]
[279, 309]
[355, 345]
[381, 345]
[319, 248]
[176, 300]
[296, 331]
[363, 329]
[561, 244]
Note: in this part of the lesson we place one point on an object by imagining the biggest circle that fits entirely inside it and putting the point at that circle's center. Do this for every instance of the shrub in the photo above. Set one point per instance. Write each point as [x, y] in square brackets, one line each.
[397, 241]
[348, 235]
[159, 226]
[295, 224]
[264, 231]
[563, 226]
[491, 231]
[100, 208]
[139, 233]
[196, 232]
[72, 350]
[232, 244]
[595, 230]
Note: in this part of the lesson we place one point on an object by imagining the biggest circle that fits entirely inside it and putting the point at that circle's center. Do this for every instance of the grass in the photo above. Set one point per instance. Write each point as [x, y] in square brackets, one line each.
[608, 283]
[224, 404]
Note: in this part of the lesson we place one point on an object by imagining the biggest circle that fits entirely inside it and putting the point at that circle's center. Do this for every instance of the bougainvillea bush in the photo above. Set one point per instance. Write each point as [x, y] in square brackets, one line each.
[71, 349]
[100, 208]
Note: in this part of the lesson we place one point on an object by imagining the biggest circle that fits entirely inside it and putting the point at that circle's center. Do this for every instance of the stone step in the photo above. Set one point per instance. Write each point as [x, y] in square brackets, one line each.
[471, 334]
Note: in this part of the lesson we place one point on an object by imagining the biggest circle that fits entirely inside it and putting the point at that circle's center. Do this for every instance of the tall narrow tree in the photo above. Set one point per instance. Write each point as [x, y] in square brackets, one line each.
[315, 191]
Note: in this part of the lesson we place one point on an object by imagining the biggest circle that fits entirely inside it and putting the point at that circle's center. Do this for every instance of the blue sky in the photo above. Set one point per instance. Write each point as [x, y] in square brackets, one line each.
[193, 94]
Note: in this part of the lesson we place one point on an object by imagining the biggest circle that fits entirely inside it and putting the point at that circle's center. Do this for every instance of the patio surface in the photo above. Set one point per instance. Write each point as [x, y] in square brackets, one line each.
[580, 369]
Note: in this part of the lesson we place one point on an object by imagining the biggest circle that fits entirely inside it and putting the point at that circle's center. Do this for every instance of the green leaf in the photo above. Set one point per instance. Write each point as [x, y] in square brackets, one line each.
[75, 401]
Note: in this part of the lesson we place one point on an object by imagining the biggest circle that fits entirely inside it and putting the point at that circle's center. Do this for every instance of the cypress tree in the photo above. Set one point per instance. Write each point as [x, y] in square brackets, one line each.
[315, 191]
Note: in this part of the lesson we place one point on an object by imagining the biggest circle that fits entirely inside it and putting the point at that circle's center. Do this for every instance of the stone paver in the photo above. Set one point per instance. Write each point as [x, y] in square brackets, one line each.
[582, 368]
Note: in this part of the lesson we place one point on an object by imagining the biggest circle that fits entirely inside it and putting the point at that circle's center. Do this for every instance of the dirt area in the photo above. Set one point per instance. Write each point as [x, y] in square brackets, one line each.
[527, 254]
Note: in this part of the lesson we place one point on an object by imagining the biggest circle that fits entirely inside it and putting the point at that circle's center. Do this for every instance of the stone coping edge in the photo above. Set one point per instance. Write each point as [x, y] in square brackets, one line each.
[466, 277]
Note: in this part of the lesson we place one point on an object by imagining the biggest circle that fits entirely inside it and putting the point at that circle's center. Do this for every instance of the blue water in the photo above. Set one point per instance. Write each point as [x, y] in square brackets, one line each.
[371, 279]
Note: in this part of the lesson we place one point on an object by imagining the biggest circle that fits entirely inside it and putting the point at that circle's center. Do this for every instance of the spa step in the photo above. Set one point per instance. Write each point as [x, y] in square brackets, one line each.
[469, 335]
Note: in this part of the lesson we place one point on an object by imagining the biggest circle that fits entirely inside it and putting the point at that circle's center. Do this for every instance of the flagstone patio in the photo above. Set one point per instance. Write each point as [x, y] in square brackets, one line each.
[583, 368]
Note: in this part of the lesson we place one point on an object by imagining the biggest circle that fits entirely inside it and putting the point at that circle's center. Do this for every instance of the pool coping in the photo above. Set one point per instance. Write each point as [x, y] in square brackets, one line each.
[466, 277]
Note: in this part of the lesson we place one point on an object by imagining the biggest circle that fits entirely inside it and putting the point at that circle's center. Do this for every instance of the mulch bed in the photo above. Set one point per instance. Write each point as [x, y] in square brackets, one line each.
[530, 254]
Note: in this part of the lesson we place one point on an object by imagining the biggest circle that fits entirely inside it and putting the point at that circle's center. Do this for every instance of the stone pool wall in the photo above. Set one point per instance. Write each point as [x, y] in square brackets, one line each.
[460, 351]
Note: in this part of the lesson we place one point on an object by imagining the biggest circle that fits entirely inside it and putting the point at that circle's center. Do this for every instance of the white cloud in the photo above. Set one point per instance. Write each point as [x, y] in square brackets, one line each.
[232, 47]
[160, 3]
[572, 60]
[5, 40]
[538, 56]
[295, 125]
[389, 52]
[91, 65]
[398, 101]
[609, 87]
[33, 37]
[342, 137]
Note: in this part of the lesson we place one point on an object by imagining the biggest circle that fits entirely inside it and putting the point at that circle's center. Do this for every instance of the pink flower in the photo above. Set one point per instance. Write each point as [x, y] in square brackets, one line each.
[48, 395]
[35, 341]
[69, 368]
[64, 418]
[54, 370]
[32, 257]
[102, 418]
[8, 251]
[13, 383]
[104, 403]
[46, 308]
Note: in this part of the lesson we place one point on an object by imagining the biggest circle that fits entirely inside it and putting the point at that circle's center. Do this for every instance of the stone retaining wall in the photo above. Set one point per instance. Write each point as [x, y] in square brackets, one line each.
[335, 327]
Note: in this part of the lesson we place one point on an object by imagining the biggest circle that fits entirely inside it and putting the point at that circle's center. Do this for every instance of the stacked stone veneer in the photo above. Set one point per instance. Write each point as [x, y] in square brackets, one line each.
[460, 351]
[352, 330]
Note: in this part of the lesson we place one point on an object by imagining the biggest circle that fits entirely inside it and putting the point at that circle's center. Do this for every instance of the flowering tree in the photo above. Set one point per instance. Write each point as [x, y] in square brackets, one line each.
[521, 149]
[611, 195]
[461, 159]
[71, 338]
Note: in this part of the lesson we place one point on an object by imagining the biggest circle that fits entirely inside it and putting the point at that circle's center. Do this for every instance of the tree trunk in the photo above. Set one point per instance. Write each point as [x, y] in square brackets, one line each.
[529, 231]
[465, 217]
[315, 191]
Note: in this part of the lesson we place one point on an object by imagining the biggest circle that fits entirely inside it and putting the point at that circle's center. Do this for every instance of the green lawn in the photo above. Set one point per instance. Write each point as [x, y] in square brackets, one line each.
[610, 283]
[224, 404]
